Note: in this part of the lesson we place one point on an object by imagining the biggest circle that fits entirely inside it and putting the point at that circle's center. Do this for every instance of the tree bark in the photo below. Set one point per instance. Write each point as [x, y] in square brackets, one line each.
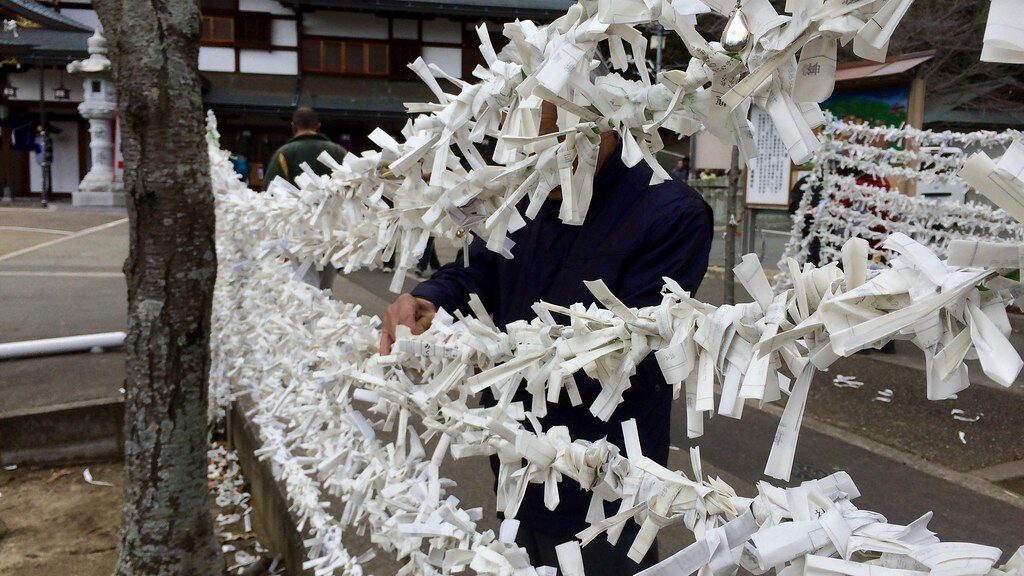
[171, 268]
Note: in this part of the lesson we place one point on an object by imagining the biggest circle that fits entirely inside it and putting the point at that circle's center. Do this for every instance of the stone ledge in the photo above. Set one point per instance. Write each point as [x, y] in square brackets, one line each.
[113, 198]
[274, 520]
[76, 432]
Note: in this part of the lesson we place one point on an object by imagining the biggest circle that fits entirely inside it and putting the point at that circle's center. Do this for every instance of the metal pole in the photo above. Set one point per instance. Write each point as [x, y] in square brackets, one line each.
[48, 346]
[693, 155]
[47, 152]
[5, 146]
[749, 229]
[730, 228]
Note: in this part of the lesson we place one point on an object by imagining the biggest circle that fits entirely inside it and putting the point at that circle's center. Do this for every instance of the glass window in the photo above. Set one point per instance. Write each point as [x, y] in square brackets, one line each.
[355, 58]
[345, 57]
[332, 56]
[218, 29]
[311, 59]
[377, 59]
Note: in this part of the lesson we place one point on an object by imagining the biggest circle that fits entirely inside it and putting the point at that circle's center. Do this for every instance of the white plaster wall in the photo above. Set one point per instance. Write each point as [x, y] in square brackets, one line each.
[404, 29]
[264, 6]
[345, 24]
[284, 33]
[83, 15]
[442, 30]
[263, 62]
[448, 59]
[27, 83]
[65, 161]
[216, 59]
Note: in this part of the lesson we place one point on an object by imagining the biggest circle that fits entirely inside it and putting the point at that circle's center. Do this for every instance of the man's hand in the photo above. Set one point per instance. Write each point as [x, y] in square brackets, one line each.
[406, 310]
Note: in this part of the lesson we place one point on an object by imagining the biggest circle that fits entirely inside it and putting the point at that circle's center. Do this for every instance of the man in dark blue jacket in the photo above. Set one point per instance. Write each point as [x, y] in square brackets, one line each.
[633, 235]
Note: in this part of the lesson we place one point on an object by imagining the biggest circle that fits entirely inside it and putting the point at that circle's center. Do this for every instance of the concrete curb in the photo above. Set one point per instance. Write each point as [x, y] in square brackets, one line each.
[1001, 472]
[270, 504]
[75, 432]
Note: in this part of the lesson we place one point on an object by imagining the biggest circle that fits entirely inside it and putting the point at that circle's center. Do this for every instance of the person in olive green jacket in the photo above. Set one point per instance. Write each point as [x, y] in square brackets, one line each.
[306, 144]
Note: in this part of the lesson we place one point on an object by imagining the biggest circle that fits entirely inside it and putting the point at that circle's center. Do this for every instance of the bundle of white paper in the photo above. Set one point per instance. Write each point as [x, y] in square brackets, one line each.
[1003, 181]
[1004, 33]
[341, 424]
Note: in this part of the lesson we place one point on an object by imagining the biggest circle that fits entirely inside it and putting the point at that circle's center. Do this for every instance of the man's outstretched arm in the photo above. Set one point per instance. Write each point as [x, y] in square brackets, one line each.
[272, 169]
[448, 288]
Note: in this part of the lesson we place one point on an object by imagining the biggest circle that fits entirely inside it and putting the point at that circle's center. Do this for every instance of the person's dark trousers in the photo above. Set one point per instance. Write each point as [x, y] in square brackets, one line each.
[429, 258]
[599, 557]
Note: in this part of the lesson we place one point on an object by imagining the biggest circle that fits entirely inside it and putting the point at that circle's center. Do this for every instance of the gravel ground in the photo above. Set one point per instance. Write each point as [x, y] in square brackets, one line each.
[59, 524]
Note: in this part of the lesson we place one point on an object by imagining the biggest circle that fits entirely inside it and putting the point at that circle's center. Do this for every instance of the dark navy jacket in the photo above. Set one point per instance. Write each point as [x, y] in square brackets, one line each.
[633, 235]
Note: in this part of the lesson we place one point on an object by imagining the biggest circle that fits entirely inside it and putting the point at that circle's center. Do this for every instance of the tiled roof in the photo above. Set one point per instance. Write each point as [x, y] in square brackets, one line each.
[43, 15]
[45, 46]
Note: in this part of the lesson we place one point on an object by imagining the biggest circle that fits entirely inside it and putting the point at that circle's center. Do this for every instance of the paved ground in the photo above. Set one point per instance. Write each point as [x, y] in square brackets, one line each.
[906, 456]
[67, 282]
[57, 381]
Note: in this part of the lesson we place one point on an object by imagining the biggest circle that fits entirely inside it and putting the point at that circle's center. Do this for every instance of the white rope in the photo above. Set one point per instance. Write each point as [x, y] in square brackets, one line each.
[847, 209]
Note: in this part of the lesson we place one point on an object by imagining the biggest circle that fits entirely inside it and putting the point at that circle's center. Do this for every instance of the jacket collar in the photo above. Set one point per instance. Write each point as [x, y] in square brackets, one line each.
[611, 172]
[316, 136]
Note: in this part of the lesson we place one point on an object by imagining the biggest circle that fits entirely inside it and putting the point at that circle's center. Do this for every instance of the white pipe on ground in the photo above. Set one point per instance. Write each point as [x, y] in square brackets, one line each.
[49, 346]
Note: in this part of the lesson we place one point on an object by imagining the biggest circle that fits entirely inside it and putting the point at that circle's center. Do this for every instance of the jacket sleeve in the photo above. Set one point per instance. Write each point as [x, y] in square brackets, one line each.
[338, 152]
[272, 169]
[450, 287]
[677, 245]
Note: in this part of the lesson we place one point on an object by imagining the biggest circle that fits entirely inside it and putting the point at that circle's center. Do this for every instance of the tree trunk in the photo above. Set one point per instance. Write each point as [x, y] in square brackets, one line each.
[171, 268]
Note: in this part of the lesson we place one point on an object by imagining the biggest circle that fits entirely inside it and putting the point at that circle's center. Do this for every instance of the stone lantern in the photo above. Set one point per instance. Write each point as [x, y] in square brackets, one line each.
[99, 187]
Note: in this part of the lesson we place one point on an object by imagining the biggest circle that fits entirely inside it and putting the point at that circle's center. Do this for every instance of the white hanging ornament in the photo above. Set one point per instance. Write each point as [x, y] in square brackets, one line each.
[736, 34]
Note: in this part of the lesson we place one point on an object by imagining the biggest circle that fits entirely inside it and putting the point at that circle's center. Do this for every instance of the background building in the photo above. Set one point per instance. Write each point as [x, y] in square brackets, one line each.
[33, 78]
[259, 59]
[345, 58]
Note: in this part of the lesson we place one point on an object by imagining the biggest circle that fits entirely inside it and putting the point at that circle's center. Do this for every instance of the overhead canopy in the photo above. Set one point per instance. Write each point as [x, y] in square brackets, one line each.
[994, 104]
[44, 36]
[43, 15]
[332, 97]
[47, 47]
[893, 66]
